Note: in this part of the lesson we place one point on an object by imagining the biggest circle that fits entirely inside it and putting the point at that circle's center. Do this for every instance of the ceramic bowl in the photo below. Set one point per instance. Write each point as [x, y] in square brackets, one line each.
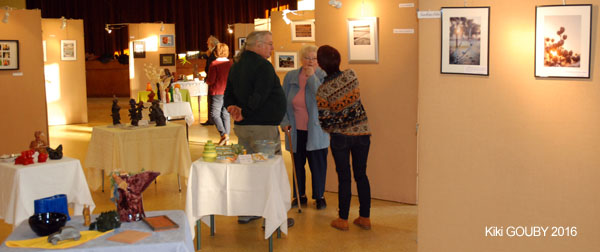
[8, 158]
[266, 146]
[44, 224]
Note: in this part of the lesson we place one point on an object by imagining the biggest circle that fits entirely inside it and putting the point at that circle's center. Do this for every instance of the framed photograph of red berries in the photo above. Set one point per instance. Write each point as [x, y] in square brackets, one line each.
[465, 40]
[563, 40]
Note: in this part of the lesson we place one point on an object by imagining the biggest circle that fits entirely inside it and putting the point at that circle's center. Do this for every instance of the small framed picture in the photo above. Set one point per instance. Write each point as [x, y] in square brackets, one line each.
[241, 42]
[167, 40]
[363, 40]
[286, 61]
[9, 54]
[139, 49]
[167, 59]
[68, 50]
[563, 35]
[465, 40]
[303, 31]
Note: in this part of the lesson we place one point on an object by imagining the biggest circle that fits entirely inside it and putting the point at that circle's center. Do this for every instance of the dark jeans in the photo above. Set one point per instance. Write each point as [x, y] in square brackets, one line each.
[317, 162]
[342, 146]
[219, 114]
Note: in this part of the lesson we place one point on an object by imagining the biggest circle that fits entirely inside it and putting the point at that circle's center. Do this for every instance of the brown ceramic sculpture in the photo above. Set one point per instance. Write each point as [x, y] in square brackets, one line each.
[129, 199]
[38, 144]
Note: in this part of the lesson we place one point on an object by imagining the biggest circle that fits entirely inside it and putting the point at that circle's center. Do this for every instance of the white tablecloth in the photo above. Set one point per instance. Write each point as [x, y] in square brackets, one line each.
[196, 88]
[258, 189]
[177, 240]
[175, 110]
[20, 185]
[162, 149]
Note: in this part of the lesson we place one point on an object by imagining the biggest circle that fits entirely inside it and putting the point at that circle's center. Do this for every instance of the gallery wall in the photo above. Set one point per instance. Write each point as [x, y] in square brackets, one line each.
[282, 35]
[23, 98]
[388, 91]
[65, 79]
[150, 33]
[507, 149]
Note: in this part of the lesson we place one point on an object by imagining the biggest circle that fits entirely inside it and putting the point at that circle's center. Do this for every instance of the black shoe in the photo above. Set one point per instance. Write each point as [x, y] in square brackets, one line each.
[247, 219]
[303, 201]
[207, 123]
[321, 204]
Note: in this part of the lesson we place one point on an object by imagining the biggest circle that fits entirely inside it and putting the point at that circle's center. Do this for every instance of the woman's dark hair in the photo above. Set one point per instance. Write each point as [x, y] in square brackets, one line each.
[328, 59]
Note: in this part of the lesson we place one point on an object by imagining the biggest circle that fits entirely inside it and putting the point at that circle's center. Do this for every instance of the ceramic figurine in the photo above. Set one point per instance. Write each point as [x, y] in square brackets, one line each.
[38, 144]
[148, 87]
[151, 96]
[210, 152]
[87, 219]
[157, 114]
[133, 113]
[170, 87]
[115, 111]
[140, 108]
[151, 112]
[177, 95]
[106, 221]
[159, 94]
[129, 199]
[42, 157]
[55, 154]
[25, 158]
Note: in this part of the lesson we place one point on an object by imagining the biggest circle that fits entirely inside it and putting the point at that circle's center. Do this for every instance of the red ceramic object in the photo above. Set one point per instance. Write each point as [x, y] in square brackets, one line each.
[42, 157]
[25, 158]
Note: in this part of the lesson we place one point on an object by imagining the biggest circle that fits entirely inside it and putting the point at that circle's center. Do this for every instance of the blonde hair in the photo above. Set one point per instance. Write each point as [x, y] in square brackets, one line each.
[307, 49]
[251, 42]
[222, 50]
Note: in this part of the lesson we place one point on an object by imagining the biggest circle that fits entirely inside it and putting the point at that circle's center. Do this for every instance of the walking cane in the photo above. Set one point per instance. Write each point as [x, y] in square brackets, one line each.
[287, 133]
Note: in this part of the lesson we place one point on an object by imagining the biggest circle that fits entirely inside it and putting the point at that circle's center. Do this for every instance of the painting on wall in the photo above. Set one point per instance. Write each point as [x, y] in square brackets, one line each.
[68, 50]
[167, 59]
[465, 40]
[167, 40]
[363, 44]
[9, 54]
[139, 49]
[286, 61]
[303, 31]
[563, 40]
[241, 42]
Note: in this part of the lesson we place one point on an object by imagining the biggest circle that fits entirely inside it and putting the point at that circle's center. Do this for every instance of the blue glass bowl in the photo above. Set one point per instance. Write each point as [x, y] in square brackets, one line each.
[44, 224]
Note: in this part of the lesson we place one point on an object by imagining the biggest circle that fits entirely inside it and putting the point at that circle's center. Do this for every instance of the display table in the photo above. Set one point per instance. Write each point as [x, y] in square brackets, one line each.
[161, 149]
[21, 185]
[185, 96]
[175, 110]
[178, 240]
[196, 87]
[257, 189]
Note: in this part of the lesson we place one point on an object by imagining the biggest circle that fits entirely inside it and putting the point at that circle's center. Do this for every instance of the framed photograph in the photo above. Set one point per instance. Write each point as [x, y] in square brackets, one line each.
[562, 41]
[303, 31]
[139, 49]
[9, 54]
[167, 59]
[167, 40]
[241, 42]
[68, 50]
[465, 40]
[363, 40]
[286, 61]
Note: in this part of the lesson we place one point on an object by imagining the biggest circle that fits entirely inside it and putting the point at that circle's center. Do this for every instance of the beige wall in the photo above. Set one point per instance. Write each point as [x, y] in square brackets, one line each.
[241, 30]
[65, 79]
[282, 35]
[389, 93]
[509, 149]
[150, 33]
[23, 98]
[17, 4]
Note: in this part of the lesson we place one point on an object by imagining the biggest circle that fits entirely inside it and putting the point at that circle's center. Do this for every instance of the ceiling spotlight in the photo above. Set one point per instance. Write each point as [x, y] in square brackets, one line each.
[335, 3]
[162, 26]
[5, 19]
[230, 29]
[64, 23]
[107, 28]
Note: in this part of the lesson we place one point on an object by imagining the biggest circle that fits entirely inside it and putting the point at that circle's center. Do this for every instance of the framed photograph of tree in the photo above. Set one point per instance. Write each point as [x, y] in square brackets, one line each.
[465, 40]
[562, 41]
[286, 61]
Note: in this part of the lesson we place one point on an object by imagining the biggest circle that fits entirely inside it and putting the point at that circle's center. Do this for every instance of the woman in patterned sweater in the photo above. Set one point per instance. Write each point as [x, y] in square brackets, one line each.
[343, 116]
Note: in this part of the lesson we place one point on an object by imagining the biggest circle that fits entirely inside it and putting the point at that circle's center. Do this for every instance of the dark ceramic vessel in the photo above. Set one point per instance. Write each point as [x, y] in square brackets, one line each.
[47, 223]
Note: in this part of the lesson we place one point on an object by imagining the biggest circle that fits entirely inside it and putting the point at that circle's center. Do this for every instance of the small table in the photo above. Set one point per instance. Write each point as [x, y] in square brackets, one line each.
[257, 189]
[195, 87]
[175, 110]
[21, 185]
[161, 149]
[179, 240]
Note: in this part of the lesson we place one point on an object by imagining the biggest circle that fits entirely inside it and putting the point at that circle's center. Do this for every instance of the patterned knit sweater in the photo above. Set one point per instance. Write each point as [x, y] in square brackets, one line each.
[340, 109]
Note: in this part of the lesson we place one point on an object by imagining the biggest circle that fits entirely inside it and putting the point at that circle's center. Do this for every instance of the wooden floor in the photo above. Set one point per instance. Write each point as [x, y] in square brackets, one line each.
[394, 224]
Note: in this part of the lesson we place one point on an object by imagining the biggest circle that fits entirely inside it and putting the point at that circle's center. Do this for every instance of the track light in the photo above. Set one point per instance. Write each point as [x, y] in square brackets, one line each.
[64, 23]
[107, 28]
[5, 19]
[162, 26]
[335, 3]
[230, 29]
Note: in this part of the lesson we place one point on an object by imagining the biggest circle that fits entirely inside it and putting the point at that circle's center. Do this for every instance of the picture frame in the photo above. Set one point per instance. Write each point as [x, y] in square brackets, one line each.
[68, 49]
[465, 40]
[363, 41]
[139, 49]
[167, 59]
[9, 55]
[286, 61]
[563, 41]
[303, 30]
[241, 42]
[167, 40]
